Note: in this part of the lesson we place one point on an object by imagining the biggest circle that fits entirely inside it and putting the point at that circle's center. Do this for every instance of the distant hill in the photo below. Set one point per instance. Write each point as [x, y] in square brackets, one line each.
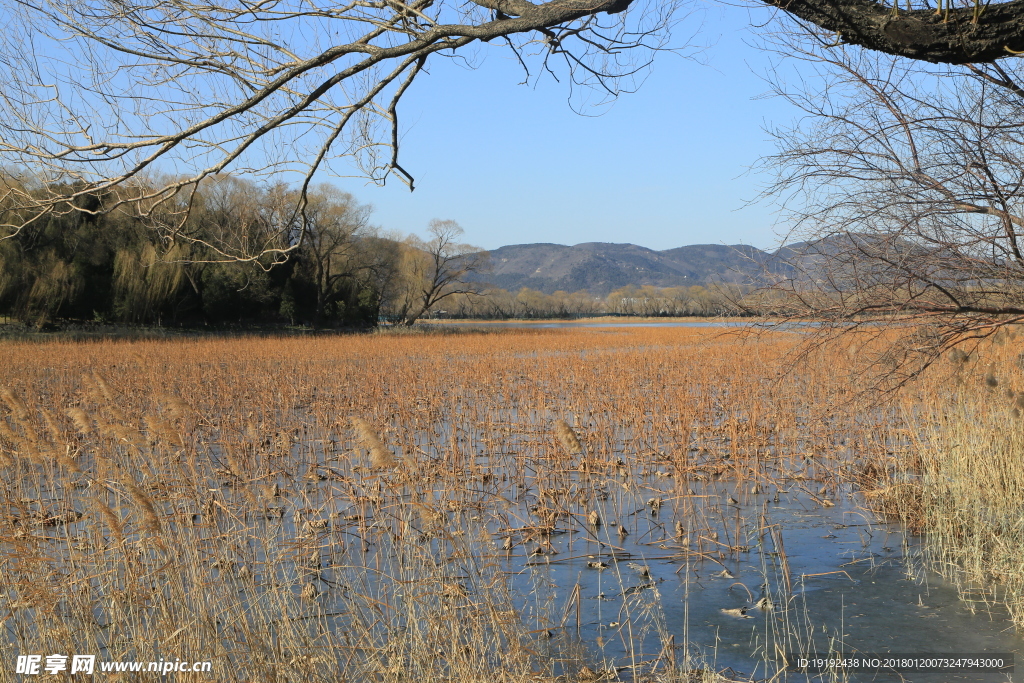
[600, 267]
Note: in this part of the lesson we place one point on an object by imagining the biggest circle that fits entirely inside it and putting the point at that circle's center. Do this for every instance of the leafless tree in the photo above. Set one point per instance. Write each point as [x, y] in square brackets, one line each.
[100, 95]
[332, 251]
[906, 183]
[436, 269]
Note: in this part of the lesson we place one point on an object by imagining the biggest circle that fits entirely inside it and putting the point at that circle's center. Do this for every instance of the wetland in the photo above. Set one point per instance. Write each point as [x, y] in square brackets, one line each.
[656, 503]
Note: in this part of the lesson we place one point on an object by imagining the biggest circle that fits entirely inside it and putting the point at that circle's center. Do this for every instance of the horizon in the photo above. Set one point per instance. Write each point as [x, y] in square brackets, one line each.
[633, 244]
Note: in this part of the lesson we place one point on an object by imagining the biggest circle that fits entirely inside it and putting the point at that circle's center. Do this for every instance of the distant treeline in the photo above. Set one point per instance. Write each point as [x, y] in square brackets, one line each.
[182, 262]
[648, 301]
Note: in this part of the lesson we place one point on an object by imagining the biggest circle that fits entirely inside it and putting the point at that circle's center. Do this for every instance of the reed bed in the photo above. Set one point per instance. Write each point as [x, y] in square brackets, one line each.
[345, 508]
[960, 480]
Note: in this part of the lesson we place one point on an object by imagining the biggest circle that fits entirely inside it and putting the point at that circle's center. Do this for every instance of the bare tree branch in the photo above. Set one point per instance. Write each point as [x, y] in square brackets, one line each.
[906, 186]
[104, 95]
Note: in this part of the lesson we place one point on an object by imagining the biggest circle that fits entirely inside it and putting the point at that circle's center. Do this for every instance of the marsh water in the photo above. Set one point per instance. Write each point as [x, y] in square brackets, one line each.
[763, 572]
[854, 586]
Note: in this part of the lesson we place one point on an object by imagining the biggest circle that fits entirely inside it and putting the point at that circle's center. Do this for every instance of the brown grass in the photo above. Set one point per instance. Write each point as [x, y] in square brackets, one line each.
[211, 471]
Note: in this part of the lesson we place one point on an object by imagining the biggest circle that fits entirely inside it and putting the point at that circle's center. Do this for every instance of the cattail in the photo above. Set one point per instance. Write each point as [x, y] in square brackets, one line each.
[567, 437]
[380, 456]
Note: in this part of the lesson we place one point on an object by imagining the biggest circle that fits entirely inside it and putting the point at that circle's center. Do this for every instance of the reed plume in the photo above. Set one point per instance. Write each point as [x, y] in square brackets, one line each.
[56, 433]
[66, 460]
[150, 517]
[103, 387]
[176, 406]
[15, 403]
[114, 523]
[567, 437]
[380, 456]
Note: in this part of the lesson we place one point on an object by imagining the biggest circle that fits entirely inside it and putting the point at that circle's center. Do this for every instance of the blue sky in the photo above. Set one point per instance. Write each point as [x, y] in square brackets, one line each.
[663, 167]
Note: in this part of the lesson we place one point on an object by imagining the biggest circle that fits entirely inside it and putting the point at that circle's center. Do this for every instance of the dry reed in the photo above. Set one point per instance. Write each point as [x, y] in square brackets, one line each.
[207, 516]
[567, 437]
[380, 456]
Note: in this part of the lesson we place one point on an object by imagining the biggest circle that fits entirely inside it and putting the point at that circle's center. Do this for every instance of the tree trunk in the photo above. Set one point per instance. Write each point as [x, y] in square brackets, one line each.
[983, 33]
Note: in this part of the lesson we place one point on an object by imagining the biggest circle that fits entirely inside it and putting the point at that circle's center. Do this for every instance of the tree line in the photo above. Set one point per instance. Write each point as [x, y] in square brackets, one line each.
[647, 301]
[322, 265]
[325, 265]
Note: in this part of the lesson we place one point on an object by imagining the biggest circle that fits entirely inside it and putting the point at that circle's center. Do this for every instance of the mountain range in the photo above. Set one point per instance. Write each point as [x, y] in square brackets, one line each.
[600, 267]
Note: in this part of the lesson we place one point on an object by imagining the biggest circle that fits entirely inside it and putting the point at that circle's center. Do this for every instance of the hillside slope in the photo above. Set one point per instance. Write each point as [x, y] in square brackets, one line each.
[600, 267]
